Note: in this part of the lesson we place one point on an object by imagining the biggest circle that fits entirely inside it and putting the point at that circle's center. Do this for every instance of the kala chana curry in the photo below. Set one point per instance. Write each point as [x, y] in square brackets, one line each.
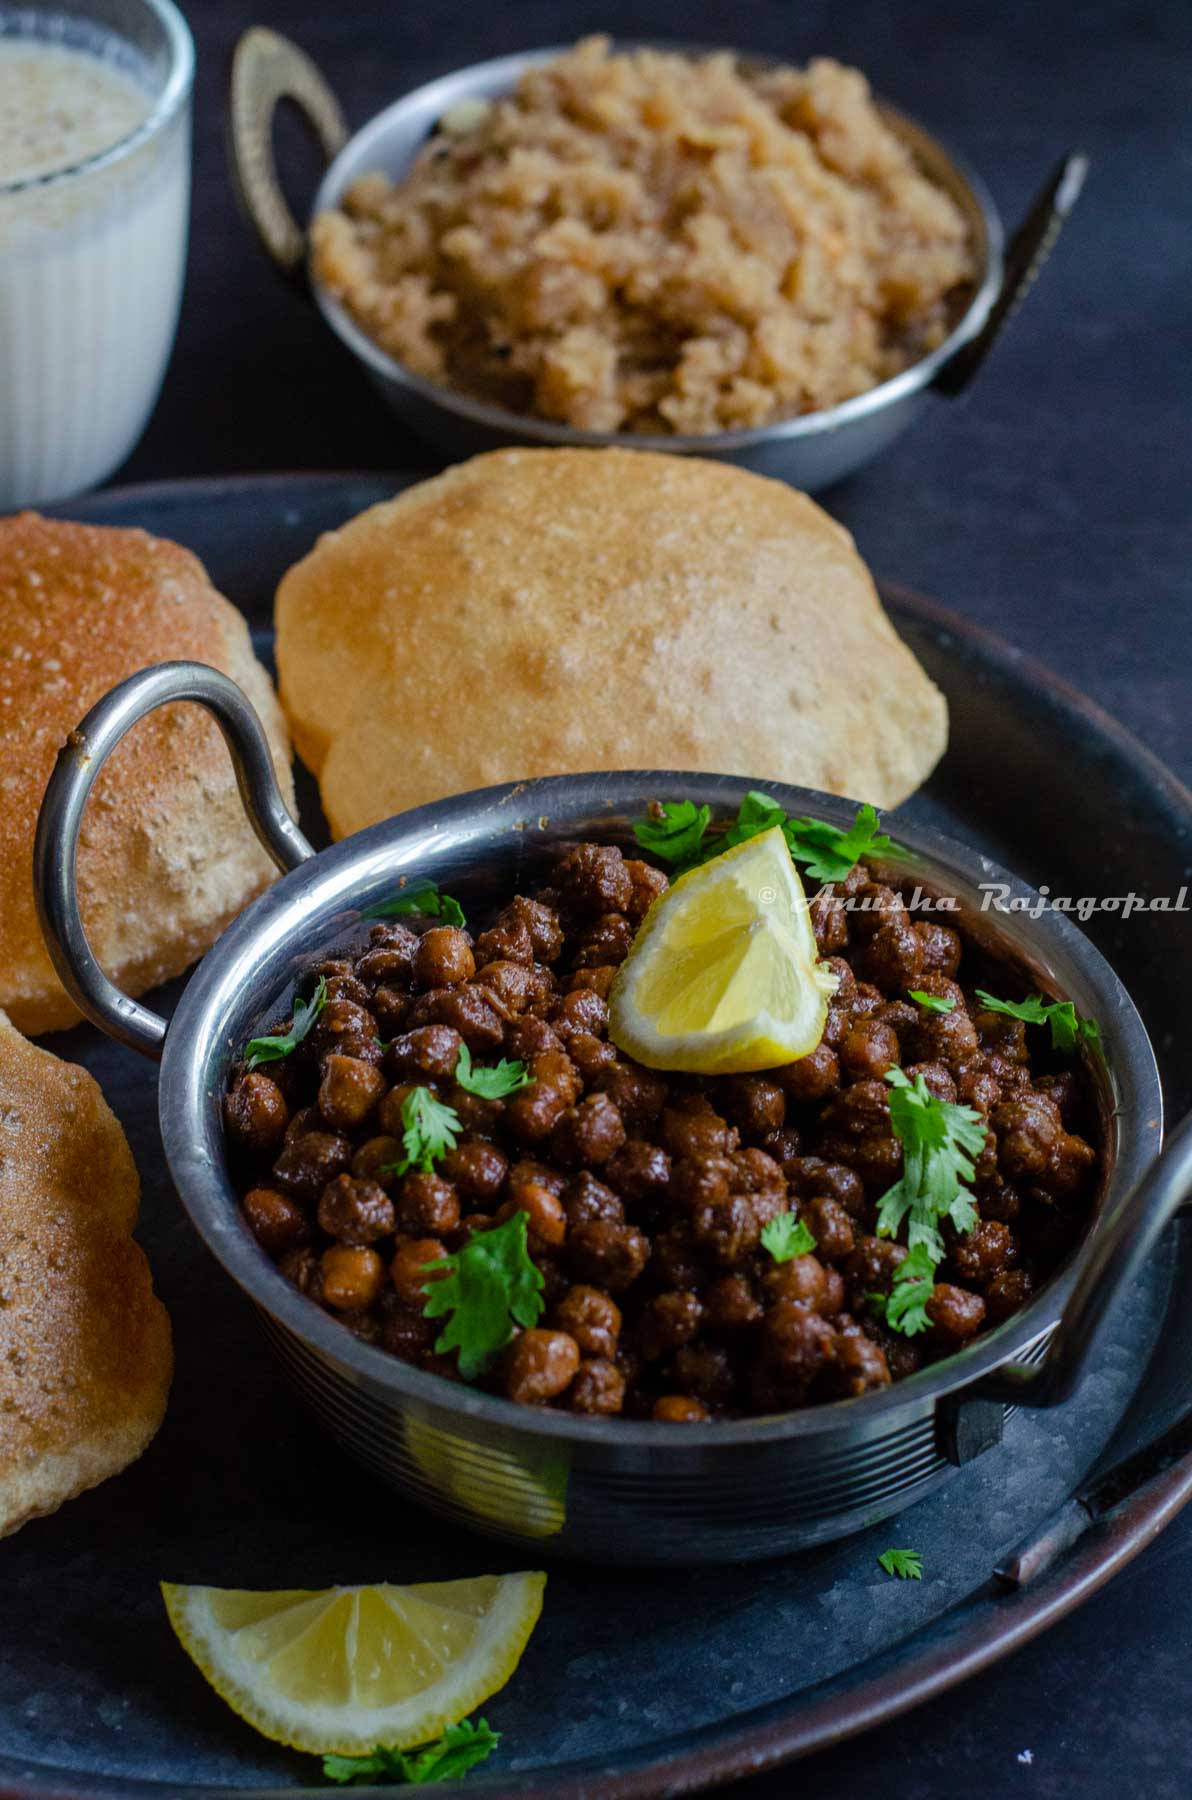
[443, 1146]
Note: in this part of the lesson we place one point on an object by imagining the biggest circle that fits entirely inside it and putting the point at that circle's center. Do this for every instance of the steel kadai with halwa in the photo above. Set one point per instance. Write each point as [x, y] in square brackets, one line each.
[720, 1128]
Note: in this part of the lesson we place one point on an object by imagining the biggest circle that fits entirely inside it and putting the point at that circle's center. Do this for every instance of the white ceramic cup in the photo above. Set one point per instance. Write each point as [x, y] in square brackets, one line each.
[92, 253]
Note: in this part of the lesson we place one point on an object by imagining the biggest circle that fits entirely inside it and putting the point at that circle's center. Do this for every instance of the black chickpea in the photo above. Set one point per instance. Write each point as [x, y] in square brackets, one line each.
[608, 1255]
[646, 885]
[427, 1205]
[592, 1318]
[276, 1222]
[730, 1305]
[309, 1162]
[443, 958]
[598, 1388]
[376, 1158]
[349, 1090]
[869, 1049]
[352, 1278]
[539, 1365]
[812, 1077]
[668, 1321]
[956, 1315]
[679, 1409]
[831, 1225]
[356, 1212]
[544, 1212]
[803, 1280]
[858, 1366]
[409, 1273]
[256, 1114]
[478, 1169]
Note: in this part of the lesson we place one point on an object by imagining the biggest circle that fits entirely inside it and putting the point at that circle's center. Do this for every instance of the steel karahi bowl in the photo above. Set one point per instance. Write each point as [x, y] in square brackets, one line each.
[810, 450]
[606, 1490]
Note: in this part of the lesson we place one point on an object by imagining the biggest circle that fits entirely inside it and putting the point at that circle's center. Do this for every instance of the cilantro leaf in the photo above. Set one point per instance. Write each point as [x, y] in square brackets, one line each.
[907, 1565]
[787, 1236]
[1033, 1009]
[459, 1749]
[488, 1286]
[829, 853]
[380, 1764]
[1068, 1027]
[758, 812]
[271, 1049]
[935, 1003]
[422, 897]
[503, 1078]
[678, 835]
[430, 1129]
[904, 1308]
[939, 1141]
[688, 846]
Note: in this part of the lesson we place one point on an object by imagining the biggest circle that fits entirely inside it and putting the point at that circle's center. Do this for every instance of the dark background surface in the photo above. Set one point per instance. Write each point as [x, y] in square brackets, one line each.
[1053, 505]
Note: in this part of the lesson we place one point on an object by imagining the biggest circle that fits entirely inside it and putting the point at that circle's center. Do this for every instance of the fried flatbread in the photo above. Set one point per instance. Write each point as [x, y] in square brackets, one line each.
[537, 612]
[166, 855]
[85, 1352]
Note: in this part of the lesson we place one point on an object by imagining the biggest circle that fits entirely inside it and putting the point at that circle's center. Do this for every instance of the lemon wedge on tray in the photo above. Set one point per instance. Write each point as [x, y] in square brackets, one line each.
[724, 975]
[348, 1668]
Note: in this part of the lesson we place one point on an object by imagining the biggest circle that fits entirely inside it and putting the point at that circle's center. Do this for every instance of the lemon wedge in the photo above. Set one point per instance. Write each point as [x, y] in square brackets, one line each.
[724, 975]
[348, 1668]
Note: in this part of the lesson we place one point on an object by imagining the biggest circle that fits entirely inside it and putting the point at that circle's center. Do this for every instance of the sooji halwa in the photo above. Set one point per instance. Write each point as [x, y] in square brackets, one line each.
[647, 242]
[678, 1247]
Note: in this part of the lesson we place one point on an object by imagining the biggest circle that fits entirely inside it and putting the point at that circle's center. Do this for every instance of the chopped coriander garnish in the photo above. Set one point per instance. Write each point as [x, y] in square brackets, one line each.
[503, 1078]
[907, 1565]
[489, 1286]
[422, 897]
[939, 1140]
[829, 853]
[756, 813]
[904, 1308]
[459, 1749]
[786, 1237]
[430, 1130]
[271, 1049]
[1068, 1027]
[676, 837]
[936, 1003]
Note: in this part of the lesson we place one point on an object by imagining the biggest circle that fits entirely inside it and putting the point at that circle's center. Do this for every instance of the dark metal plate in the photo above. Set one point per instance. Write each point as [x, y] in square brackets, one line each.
[633, 1684]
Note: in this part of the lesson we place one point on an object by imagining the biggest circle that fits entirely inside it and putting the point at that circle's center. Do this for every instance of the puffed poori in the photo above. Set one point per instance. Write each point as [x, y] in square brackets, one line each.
[85, 1356]
[166, 855]
[538, 612]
